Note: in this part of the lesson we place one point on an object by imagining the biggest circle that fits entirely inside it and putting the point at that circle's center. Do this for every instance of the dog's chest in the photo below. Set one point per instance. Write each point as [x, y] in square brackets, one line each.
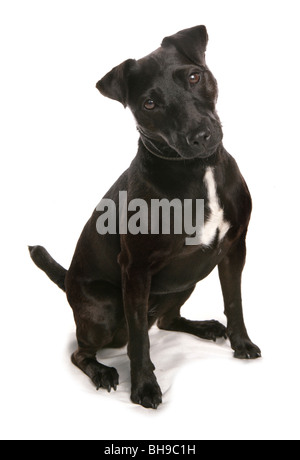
[215, 224]
[196, 261]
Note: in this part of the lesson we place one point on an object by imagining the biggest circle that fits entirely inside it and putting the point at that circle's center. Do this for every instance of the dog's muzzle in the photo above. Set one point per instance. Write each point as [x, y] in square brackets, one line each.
[202, 141]
[199, 138]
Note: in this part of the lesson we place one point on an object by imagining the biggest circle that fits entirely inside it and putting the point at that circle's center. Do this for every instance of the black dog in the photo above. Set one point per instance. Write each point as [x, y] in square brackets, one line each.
[120, 283]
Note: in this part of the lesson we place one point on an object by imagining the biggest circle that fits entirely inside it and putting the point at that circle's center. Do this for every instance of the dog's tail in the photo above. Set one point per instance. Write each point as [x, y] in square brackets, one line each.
[44, 261]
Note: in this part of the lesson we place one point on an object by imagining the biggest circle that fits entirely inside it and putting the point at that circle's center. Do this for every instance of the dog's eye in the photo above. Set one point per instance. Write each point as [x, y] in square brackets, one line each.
[194, 78]
[149, 104]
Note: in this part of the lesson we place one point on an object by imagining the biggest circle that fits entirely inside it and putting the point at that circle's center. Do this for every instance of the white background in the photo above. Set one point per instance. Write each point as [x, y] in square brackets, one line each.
[63, 145]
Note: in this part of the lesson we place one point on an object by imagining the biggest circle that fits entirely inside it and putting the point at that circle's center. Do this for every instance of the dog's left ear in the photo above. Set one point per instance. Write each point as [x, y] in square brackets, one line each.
[190, 42]
[115, 83]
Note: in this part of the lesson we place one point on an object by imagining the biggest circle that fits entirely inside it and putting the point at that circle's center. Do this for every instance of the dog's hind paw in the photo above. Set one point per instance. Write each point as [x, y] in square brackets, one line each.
[208, 330]
[212, 330]
[107, 378]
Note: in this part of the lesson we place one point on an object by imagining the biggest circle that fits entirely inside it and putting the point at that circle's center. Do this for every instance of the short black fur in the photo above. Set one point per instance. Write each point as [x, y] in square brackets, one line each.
[119, 285]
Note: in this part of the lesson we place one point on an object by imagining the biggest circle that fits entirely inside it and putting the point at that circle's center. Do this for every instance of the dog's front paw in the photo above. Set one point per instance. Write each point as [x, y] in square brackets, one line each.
[147, 393]
[245, 349]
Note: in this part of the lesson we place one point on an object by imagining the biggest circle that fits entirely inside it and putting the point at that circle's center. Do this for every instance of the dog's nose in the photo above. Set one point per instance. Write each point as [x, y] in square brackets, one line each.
[198, 138]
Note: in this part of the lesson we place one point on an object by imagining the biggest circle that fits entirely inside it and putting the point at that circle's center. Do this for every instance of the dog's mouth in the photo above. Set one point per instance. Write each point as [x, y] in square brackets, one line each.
[158, 147]
[201, 142]
[198, 145]
[201, 152]
[200, 149]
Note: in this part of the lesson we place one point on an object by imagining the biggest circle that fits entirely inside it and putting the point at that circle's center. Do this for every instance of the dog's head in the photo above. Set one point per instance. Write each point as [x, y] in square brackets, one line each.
[172, 95]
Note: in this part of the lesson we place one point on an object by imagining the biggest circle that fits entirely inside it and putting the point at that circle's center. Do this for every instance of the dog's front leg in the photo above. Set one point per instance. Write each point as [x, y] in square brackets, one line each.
[136, 288]
[230, 273]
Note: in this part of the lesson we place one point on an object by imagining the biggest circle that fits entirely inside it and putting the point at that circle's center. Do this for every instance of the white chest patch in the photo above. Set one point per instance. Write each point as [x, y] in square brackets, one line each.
[216, 221]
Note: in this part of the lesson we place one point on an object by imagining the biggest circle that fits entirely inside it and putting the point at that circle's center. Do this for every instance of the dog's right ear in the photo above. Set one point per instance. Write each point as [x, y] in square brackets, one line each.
[115, 83]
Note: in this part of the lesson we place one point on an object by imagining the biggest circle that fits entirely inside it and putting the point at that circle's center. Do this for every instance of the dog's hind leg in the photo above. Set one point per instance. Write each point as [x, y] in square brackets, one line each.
[98, 313]
[171, 320]
[85, 358]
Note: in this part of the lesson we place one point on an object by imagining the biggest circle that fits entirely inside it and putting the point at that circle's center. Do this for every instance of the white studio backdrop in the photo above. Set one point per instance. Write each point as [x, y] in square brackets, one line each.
[63, 145]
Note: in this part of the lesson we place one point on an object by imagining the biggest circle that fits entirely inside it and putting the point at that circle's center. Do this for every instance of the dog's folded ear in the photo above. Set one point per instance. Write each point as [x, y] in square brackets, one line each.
[115, 83]
[189, 42]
